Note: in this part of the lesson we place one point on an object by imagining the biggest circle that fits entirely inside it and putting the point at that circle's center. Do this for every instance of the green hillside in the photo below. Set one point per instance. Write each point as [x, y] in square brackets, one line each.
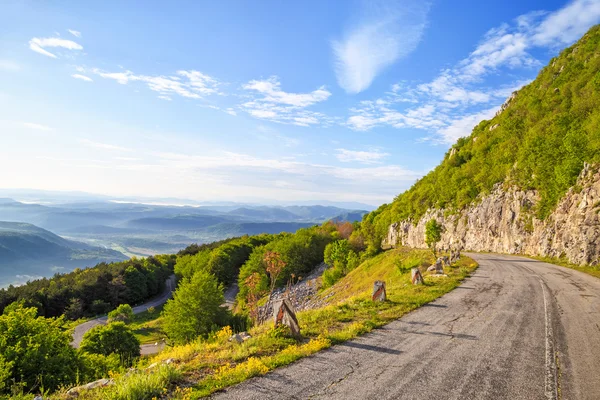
[540, 141]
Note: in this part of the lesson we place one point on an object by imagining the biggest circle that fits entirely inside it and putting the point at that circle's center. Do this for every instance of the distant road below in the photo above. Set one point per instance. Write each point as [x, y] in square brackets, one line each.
[81, 329]
[516, 329]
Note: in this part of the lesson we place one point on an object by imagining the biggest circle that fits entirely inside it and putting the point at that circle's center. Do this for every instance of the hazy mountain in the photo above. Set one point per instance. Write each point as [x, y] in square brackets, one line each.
[27, 251]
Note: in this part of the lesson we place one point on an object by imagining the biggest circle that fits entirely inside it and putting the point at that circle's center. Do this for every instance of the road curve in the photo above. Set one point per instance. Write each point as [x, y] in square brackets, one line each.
[145, 349]
[516, 329]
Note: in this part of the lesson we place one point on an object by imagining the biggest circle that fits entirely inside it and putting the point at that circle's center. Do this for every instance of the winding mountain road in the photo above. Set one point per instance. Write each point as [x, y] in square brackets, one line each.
[145, 349]
[516, 329]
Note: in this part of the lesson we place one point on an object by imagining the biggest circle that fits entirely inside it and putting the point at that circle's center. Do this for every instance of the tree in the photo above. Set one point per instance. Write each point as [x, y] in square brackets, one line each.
[274, 267]
[115, 338]
[35, 352]
[195, 309]
[336, 254]
[433, 234]
[123, 313]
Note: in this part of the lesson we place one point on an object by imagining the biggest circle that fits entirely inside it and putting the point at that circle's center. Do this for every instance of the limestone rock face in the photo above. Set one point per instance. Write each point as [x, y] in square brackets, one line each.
[504, 222]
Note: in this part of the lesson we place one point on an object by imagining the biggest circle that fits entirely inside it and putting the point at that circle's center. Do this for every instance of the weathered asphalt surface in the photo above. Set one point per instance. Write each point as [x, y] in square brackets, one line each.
[516, 329]
[145, 349]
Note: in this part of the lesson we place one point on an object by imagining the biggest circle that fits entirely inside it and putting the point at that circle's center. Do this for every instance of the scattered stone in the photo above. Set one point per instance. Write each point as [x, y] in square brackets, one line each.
[379, 293]
[556, 90]
[236, 338]
[453, 151]
[494, 127]
[283, 313]
[431, 268]
[416, 277]
[446, 261]
[38, 398]
[561, 69]
[92, 385]
[505, 105]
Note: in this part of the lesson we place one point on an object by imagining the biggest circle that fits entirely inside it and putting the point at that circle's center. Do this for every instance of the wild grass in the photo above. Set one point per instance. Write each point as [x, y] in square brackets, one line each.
[147, 325]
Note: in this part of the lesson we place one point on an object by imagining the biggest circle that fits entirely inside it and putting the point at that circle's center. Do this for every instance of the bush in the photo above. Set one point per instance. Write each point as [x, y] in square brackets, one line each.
[331, 276]
[123, 313]
[35, 352]
[96, 366]
[195, 308]
[114, 338]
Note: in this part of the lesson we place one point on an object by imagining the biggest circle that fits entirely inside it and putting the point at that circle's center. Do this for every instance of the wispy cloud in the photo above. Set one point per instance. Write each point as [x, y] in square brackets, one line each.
[82, 77]
[74, 33]
[452, 103]
[39, 45]
[364, 157]
[104, 146]
[189, 84]
[38, 127]
[271, 103]
[382, 37]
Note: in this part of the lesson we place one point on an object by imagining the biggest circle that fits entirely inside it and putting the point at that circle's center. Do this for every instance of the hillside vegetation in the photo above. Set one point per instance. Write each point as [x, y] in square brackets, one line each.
[208, 364]
[540, 141]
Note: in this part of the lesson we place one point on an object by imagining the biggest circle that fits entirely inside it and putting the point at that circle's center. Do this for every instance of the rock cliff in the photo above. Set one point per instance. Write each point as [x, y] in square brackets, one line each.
[503, 221]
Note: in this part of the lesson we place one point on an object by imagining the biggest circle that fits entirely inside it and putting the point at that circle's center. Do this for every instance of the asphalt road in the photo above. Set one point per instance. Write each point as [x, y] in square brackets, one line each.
[81, 329]
[516, 329]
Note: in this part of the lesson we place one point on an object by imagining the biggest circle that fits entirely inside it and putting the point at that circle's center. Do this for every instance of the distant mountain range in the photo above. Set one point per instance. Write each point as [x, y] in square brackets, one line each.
[27, 251]
[40, 239]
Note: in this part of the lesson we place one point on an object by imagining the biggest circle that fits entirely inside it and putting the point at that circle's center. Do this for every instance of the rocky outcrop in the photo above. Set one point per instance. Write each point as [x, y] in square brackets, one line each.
[504, 222]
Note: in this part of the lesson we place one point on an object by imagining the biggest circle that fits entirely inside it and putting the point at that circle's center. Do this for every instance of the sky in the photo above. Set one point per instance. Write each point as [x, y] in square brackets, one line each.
[264, 101]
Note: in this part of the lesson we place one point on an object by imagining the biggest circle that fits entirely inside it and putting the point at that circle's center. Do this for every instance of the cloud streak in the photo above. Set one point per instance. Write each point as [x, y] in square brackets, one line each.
[82, 77]
[190, 84]
[377, 42]
[39, 45]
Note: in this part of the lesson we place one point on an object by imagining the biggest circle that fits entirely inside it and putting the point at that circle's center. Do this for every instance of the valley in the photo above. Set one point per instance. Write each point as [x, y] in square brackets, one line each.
[102, 231]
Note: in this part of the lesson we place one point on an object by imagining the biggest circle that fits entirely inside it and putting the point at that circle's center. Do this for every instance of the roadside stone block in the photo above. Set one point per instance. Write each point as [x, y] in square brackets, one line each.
[416, 277]
[379, 293]
[283, 313]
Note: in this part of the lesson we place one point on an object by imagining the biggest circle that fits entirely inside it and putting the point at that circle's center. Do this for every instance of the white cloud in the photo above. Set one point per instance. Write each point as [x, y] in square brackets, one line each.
[38, 127]
[365, 157]
[40, 44]
[104, 146]
[567, 24]
[231, 111]
[377, 42]
[189, 84]
[456, 100]
[270, 102]
[82, 77]
[167, 98]
[74, 33]
[8, 65]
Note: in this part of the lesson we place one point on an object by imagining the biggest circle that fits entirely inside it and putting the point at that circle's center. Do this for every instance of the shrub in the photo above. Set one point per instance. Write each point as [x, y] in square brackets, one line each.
[35, 352]
[123, 313]
[115, 338]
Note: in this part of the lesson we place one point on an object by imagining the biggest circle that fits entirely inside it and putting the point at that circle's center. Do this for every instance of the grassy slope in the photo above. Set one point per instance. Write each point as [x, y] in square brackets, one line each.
[206, 366]
[147, 326]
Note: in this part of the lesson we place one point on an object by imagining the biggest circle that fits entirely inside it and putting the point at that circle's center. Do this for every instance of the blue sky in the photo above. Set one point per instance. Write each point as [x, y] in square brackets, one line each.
[259, 101]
